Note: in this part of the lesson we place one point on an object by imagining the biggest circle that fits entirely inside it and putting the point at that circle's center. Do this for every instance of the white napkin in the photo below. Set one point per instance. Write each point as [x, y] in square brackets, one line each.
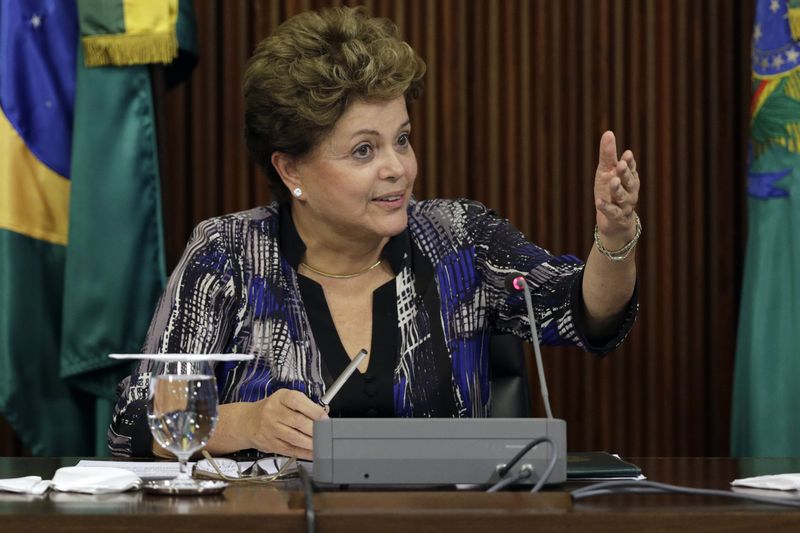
[775, 482]
[95, 480]
[25, 485]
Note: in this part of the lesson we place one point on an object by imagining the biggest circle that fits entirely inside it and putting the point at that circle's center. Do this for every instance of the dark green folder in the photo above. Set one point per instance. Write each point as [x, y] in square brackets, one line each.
[584, 465]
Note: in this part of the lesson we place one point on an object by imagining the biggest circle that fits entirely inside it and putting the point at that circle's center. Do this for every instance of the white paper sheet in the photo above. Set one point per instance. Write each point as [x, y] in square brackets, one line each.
[772, 482]
[145, 469]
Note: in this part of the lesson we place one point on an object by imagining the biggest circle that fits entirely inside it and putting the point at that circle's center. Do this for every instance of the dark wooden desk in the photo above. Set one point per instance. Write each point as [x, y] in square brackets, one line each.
[279, 507]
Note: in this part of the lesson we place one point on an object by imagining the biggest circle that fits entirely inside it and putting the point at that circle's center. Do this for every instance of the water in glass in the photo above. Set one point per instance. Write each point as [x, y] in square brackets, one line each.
[182, 409]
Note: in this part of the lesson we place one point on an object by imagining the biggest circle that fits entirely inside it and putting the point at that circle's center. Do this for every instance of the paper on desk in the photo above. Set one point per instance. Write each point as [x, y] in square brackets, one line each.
[774, 482]
[640, 477]
[146, 470]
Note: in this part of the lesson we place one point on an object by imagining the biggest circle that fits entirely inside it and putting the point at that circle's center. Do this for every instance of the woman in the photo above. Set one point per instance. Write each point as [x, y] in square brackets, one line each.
[346, 259]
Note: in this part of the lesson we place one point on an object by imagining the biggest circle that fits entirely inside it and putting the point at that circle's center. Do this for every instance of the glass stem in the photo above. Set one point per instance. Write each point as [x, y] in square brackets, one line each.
[183, 473]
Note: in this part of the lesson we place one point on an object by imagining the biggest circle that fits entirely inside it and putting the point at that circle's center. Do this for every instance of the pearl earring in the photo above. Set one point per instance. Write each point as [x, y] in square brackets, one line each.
[297, 192]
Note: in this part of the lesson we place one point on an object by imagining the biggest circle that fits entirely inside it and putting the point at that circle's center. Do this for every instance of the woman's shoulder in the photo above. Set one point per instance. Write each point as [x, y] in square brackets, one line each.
[261, 219]
[450, 223]
[449, 215]
[455, 209]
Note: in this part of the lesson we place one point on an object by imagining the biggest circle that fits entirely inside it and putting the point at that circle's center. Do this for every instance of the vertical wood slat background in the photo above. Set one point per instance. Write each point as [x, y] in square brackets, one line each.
[517, 95]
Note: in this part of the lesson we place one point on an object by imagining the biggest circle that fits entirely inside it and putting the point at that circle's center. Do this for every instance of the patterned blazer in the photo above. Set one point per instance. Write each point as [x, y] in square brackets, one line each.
[234, 291]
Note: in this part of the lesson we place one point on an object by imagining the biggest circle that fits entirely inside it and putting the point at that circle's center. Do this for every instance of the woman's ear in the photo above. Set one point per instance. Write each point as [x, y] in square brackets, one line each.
[286, 166]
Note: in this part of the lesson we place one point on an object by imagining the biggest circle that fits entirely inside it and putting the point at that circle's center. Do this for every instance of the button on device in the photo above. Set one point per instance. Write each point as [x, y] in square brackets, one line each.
[370, 389]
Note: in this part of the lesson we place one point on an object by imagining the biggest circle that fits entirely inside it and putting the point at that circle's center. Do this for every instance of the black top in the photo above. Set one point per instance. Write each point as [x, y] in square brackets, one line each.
[363, 395]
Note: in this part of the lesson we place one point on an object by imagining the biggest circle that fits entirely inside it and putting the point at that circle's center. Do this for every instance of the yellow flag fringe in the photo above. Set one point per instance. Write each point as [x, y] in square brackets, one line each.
[130, 49]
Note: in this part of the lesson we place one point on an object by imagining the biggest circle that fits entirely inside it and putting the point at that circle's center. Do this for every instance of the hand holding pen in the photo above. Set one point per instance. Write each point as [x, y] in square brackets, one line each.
[282, 422]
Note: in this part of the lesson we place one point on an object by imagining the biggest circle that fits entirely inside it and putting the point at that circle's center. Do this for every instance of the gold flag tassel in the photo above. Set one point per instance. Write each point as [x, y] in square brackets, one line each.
[124, 49]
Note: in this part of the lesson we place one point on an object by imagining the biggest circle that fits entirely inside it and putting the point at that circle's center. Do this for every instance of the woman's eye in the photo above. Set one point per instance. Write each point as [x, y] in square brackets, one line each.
[363, 151]
[403, 140]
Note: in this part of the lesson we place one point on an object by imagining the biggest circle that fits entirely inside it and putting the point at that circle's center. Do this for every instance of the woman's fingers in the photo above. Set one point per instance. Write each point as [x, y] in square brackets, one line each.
[627, 169]
[627, 156]
[620, 195]
[297, 401]
[621, 203]
[294, 437]
[626, 176]
[609, 167]
[616, 190]
[301, 411]
[286, 423]
[623, 183]
[607, 156]
[287, 449]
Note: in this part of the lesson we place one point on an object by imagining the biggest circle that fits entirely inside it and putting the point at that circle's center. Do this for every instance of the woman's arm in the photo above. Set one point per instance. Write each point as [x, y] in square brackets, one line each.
[607, 284]
[228, 436]
[192, 316]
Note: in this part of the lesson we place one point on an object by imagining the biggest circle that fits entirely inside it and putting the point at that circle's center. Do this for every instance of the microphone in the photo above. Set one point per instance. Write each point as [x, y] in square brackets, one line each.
[517, 283]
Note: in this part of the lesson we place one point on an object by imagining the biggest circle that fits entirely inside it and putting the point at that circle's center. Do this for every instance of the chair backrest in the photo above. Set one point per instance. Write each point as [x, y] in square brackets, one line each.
[509, 378]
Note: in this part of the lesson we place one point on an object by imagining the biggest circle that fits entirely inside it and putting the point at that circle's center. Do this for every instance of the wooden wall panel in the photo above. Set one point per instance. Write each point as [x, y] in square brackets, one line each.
[517, 95]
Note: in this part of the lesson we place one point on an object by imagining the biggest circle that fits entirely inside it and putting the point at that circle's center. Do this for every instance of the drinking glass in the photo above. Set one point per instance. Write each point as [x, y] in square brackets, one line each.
[182, 410]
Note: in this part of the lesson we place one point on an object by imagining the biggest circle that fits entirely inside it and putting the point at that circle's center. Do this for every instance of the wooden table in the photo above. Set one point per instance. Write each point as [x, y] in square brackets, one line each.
[280, 507]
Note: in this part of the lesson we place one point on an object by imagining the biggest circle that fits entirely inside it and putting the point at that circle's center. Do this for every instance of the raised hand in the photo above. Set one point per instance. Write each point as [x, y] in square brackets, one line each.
[616, 193]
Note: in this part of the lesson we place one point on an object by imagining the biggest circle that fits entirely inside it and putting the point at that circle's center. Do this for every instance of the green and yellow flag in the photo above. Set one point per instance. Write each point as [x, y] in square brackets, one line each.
[81, 248]
[766, 403]
[128, 32]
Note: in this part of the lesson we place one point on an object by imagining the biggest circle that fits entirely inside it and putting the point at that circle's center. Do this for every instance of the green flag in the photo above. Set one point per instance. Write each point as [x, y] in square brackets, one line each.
[82, 263]
[766, 403]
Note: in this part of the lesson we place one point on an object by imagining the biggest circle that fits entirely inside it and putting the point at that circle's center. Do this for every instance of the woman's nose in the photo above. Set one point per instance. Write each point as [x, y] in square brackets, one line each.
[393, 167]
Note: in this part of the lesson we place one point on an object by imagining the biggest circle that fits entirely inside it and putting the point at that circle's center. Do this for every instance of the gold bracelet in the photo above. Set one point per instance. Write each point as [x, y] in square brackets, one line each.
[622, 253]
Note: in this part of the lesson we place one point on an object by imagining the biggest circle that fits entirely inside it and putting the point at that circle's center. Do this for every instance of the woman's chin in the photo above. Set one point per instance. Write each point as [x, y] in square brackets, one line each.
[394, 225]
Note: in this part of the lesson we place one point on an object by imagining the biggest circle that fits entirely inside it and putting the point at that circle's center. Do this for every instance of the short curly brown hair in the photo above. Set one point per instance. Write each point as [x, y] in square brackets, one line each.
[301, 79]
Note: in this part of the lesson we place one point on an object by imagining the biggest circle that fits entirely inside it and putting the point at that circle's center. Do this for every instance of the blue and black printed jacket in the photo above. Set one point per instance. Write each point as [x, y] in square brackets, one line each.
[236, 291]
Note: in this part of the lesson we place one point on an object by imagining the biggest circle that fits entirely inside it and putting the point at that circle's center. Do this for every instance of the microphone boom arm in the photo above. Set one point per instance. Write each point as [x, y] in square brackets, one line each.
[519, 283]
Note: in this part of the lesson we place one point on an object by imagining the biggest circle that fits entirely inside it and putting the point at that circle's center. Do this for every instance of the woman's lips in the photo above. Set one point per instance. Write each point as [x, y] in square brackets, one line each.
[391, 200]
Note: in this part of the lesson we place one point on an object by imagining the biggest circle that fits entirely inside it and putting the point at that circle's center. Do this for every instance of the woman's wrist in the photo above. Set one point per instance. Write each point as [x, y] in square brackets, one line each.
[233, 432]
[618, 246]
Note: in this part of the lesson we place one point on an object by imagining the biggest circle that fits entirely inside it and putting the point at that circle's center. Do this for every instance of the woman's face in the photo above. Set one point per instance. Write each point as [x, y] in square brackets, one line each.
[357, 181]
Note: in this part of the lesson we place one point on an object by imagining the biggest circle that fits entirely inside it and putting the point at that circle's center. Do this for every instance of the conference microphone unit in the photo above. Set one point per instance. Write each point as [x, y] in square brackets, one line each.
[446, 451]
[437, 451]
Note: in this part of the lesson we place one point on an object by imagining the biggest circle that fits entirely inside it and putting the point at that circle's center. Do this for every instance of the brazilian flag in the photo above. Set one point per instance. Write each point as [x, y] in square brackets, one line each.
[766, 402]
[81, 246]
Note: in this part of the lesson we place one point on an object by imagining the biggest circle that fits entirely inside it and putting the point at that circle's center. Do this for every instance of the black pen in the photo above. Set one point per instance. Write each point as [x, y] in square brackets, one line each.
[343, 377]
